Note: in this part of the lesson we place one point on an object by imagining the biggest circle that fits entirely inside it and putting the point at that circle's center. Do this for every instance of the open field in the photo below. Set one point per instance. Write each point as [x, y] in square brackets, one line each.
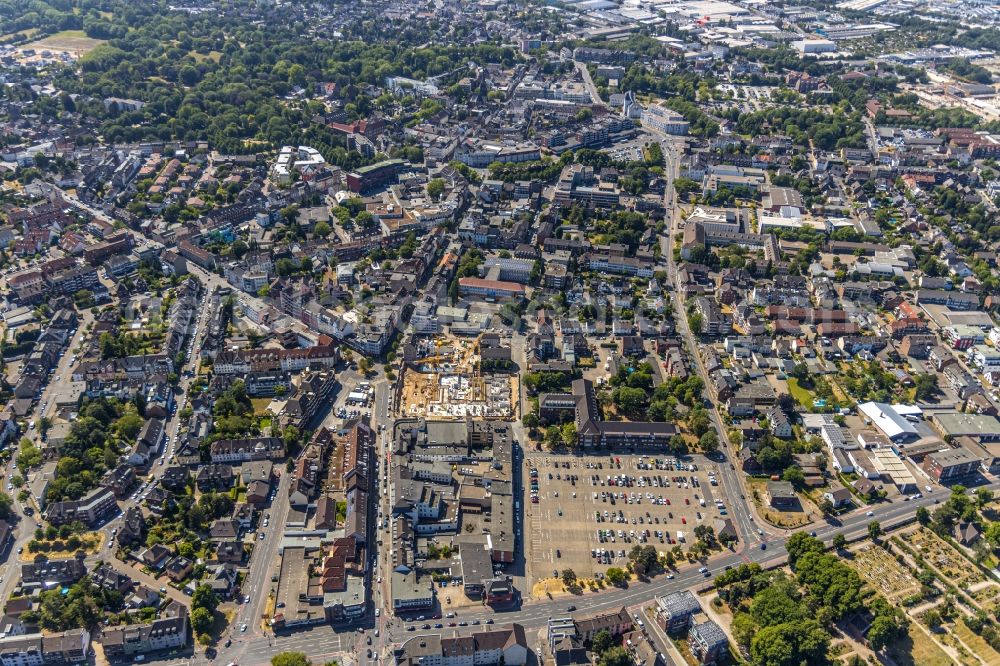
[71, 41]
[90, 543]
[980, 647]
[214, 56]
[802, 395]
[917, 649]
[15, 36]
[564, 527]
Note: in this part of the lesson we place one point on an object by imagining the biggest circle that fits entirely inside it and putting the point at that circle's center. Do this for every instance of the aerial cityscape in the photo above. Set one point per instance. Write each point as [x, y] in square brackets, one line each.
[475, 333]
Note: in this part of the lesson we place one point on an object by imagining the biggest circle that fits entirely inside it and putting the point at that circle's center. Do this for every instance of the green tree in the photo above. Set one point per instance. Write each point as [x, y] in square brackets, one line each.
[799, 544]
[569, 435]
[189, 75]
[553, 437]
[201, 620]
[616, 656]
[697, 322]
[6, 505]
[28, 456]
[290, 659]
[839, 541]
[790, 644]
[874, 530]
[128, 426]
[204, 597]
[435, 188]
[883, 631]
[926, 386]
[678, 446]
[709, 442]
[992, 534]
[698, 421]
[794, 476]
[603, 640]
[322, 229]
[568, 577]
[615, 576]
[629, 400]
[642, 558]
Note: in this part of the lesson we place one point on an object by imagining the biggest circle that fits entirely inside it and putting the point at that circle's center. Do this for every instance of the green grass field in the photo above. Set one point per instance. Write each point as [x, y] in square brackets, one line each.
[802, 396]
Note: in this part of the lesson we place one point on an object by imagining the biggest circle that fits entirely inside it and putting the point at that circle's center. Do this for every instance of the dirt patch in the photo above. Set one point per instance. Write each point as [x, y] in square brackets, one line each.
[548, 587]
[74, 42]
[91, 543]
[917, 649]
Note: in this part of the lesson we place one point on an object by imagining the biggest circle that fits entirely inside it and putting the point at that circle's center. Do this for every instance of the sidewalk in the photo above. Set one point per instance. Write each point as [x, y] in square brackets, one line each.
[670, 651]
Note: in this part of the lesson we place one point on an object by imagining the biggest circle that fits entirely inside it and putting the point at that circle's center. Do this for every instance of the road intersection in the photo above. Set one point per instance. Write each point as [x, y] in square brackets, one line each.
[256, 644]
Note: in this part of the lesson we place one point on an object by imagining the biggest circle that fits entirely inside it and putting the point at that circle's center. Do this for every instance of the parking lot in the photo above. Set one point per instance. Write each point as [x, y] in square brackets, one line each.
[586, 513]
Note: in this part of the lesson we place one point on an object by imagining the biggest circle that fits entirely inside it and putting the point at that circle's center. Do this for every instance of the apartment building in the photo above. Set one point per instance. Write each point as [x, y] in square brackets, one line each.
[493, 645]
[90, 509]
[129, 641]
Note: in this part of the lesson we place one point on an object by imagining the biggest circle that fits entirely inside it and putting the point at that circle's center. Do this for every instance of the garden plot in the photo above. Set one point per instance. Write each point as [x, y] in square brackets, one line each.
[944, 558]
[884, 573]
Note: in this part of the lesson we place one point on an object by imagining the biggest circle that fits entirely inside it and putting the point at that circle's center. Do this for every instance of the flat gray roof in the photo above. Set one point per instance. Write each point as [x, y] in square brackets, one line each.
[974, 425]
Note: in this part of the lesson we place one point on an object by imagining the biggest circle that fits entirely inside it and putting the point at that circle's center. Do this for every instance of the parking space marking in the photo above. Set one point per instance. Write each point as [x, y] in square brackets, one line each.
[564, 527]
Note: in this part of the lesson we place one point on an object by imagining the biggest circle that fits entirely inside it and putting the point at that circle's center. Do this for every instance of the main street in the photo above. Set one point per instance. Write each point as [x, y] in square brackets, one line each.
[749, 530]
[247, 630]
[535, 614]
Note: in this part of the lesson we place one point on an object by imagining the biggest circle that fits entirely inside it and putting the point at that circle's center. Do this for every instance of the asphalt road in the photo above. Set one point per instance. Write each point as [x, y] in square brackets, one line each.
[595, 96]
[321, 643]
[535, 615]
[749, 530]
[263, 563]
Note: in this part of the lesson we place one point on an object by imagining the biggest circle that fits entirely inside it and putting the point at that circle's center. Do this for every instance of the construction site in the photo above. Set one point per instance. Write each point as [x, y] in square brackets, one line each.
[444, 381]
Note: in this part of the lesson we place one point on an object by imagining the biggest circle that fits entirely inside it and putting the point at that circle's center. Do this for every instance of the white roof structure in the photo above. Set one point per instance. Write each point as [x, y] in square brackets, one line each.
[888, 420]
[888, 464]
[908, 410]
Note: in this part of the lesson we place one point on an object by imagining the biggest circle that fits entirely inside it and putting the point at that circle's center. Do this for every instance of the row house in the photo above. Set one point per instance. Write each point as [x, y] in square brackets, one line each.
[247, 361]
[243, 450]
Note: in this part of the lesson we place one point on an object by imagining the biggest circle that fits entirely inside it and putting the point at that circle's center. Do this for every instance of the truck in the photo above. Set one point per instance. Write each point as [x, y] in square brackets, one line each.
[680, 536]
